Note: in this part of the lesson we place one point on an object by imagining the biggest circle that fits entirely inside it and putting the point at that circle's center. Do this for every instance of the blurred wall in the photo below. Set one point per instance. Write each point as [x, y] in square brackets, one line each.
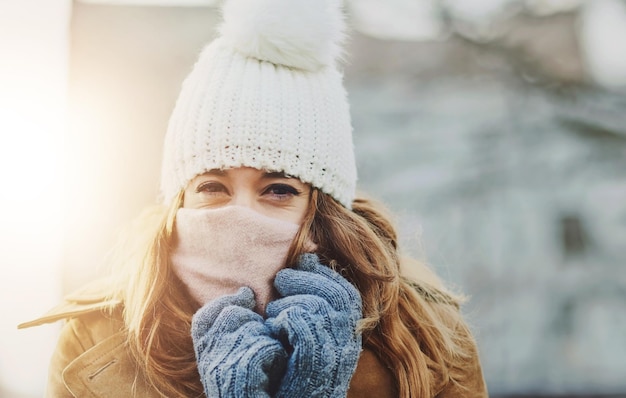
[126, 67]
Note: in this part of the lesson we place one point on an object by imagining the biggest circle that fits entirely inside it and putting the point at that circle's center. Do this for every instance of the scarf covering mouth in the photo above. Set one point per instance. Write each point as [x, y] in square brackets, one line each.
[217, 251]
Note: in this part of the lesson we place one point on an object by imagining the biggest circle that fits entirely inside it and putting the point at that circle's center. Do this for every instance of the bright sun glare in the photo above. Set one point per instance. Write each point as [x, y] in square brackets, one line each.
[32, 124]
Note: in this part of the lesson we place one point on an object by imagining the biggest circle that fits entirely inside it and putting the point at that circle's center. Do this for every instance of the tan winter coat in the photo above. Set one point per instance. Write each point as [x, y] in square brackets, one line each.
[91, 359]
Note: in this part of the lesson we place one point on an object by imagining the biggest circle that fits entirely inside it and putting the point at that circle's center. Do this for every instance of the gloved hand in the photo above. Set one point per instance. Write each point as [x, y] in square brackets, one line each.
[316, 319]
[236, 356]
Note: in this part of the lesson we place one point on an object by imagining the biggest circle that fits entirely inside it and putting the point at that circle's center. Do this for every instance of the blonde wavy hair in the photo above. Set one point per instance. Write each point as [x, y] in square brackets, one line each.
[411, 322]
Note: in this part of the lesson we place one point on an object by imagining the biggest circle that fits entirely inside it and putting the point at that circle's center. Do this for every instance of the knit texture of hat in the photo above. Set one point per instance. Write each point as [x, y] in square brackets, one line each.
[267, 94]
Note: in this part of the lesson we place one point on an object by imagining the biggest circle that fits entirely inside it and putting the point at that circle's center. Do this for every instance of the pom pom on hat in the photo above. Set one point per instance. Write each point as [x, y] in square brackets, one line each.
[303, 34]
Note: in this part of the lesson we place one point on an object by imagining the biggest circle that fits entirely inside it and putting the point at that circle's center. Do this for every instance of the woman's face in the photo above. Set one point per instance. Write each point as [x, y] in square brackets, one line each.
[271, 194]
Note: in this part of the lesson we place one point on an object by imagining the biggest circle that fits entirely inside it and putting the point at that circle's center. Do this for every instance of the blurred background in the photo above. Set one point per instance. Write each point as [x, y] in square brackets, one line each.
[495, 130]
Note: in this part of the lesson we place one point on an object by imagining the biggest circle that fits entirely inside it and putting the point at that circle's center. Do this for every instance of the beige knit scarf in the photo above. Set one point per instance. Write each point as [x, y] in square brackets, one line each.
[217, 251]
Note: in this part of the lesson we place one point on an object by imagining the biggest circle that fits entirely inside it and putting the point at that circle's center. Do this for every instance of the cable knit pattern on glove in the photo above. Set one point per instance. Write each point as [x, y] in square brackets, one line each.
[236, 356]
[317, 316]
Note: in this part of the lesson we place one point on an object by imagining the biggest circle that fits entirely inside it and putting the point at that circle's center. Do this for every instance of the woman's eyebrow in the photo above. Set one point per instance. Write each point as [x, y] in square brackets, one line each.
[215, 172]
[275, 174]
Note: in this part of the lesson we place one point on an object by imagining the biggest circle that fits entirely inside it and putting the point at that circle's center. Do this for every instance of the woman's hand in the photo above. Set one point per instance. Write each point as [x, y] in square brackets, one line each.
[235, 354]
[316, 319]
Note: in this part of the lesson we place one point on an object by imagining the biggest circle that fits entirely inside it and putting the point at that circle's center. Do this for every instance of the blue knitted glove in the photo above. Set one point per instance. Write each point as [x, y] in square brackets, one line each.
[236, 356]
[316, 320]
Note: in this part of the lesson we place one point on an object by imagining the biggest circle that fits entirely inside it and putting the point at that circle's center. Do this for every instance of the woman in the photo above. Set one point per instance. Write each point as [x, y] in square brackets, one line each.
[261, 274]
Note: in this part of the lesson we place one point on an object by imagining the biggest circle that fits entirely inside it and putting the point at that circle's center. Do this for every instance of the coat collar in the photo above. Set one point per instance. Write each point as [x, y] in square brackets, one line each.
[88, 299]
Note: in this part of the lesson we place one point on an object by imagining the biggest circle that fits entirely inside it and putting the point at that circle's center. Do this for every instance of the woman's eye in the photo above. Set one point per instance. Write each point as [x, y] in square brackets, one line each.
[282, 191]
[210, 187]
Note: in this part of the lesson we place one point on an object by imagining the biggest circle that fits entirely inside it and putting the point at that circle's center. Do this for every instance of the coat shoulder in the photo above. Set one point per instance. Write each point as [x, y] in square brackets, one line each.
[372, 378]
[91, 299]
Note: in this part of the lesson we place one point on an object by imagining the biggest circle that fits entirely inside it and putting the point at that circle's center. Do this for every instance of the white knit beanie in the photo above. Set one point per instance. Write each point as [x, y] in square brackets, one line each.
[267, 94]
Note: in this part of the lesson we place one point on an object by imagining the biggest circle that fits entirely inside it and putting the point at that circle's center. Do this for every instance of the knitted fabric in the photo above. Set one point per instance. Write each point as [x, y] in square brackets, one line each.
[235, 353]
[237, 110]
[217, 251]
[317, 315]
